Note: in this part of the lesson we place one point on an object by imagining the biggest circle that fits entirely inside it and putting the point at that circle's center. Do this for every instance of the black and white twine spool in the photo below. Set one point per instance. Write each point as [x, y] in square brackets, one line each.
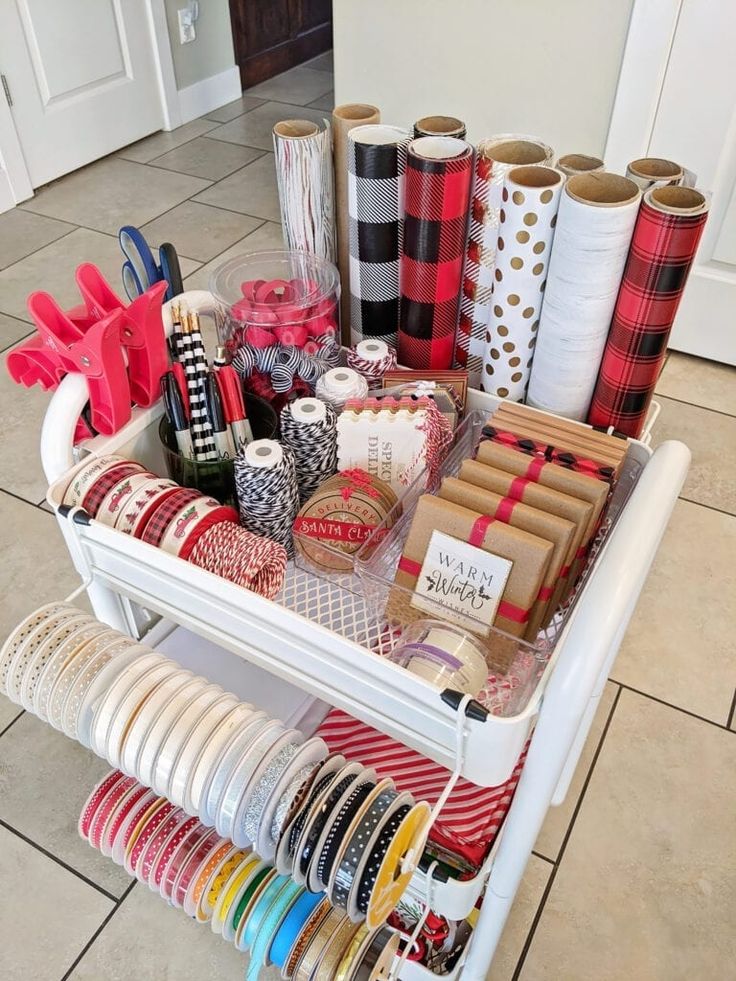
[268, 497]
[309, 429]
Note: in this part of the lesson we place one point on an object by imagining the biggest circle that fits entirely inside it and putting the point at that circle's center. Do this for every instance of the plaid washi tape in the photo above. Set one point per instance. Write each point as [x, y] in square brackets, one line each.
[438, 176]
[662, 251]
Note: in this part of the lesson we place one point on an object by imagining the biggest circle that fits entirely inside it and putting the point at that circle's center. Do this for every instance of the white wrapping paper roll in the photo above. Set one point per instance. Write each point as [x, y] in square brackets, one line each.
[494, 158]
[595, 223]
[306, 187]
[530, 199]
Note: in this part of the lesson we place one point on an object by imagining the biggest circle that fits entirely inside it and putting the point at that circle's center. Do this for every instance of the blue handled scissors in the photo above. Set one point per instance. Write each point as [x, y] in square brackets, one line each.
[140, 270]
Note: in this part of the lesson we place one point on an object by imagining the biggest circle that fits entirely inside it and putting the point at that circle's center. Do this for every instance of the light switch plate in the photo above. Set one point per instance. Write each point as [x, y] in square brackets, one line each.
[187, 32]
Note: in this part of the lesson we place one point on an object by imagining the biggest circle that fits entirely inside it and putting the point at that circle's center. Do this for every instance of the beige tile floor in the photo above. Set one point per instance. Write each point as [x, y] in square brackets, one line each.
[633, 877]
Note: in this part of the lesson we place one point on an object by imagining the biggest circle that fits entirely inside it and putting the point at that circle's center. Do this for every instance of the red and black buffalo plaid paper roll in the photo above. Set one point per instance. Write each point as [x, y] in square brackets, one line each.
[668, 229]
[438, 177]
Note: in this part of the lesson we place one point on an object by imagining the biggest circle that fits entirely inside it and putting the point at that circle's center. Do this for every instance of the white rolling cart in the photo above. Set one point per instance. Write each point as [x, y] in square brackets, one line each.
[318, 640]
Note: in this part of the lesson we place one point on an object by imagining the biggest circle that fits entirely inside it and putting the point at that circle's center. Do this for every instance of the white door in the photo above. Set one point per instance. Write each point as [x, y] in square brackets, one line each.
[82, 79]
[677, 99]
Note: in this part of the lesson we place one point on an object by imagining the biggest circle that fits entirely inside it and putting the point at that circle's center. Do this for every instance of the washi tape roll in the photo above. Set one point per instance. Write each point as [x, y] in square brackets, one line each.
[136, 508]
[188, 524]
[101, 486]
[85, 474]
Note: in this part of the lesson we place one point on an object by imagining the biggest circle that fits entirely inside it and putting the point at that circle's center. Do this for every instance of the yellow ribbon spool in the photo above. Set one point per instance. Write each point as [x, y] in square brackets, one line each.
[392, 880]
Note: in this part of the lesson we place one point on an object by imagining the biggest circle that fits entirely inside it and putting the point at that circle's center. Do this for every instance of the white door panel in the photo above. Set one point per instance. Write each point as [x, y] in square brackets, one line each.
[695, 124]
[83, 79]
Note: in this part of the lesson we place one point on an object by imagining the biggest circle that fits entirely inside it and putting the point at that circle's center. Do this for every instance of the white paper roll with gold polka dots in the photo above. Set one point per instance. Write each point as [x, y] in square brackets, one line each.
[530, 199]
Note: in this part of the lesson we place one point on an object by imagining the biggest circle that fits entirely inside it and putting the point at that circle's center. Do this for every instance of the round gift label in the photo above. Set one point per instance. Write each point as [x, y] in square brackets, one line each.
[339, 519]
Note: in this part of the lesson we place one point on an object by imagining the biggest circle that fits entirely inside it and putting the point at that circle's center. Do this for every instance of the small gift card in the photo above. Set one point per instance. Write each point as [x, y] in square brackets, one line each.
[464, 580]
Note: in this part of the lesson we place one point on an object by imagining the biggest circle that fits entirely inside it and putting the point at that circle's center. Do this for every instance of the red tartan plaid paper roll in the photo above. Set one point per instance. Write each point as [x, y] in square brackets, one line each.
[666, 237]
[438, 176]
[494, 159]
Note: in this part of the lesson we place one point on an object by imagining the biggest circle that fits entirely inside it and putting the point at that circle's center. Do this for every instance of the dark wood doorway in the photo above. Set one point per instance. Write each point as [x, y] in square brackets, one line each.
[273, 35]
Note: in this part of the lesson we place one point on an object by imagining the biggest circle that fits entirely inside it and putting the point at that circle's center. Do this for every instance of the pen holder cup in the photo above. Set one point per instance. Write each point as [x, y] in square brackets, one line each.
[215, 477]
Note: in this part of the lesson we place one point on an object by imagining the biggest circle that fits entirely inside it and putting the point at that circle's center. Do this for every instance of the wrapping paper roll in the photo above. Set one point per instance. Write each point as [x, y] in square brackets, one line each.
[668, 230]
[376, 165]
[654, 172]
[305, 182]
[439, 126]
[344, 118]
[530, 199]
[494, 158]
[579, 163]
[595, 223]
[438, 177]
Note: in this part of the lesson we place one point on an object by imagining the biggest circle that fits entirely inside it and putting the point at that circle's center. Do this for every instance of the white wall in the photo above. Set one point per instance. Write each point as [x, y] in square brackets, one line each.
[212, 50]
[543, 67]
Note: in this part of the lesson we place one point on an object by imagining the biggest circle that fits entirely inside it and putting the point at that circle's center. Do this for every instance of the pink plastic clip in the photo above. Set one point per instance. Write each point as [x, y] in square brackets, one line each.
[96, 354]
[142, 333]
[33, 363]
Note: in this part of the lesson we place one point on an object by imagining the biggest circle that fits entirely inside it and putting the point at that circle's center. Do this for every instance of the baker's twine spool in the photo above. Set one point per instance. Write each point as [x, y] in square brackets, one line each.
[268, 496]
[236, 554]
[309, 429]
[339, 385]
[372, 359]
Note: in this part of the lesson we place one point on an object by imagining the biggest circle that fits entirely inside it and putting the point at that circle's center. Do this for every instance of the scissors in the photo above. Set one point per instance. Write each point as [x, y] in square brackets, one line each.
[140, 270]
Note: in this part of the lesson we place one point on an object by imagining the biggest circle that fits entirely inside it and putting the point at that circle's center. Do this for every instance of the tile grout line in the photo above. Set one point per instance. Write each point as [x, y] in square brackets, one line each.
[675, 708]
[184, 173]
[57, 860]
[118, 155]
[544, 858]
[556, 867]
[98, 931]
[710, 507]
[731, 713]
[23, 500]
[262, 221]
[694, 405]
[11, 723]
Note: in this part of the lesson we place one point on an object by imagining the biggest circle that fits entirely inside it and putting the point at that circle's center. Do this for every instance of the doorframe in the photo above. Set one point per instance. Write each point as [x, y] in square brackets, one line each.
[15, 182]
[647, 51]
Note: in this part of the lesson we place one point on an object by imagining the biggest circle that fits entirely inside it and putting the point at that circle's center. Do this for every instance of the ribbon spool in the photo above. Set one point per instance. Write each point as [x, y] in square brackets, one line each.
[268, 494]
[372, 359]
[309, 429]
[340, 384]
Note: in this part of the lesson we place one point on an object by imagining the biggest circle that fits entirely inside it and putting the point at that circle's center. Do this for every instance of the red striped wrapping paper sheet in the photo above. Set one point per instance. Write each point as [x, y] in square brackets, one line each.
[662, 251]
[472, 816]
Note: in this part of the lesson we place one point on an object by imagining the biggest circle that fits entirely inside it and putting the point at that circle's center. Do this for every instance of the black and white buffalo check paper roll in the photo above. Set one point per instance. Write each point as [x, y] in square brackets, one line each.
[376, 164]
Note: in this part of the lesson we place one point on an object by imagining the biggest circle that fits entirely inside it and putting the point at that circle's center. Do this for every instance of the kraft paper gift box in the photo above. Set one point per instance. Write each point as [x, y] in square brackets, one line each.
[613, 447]
[536, 496]
[546, 526]
[460, 566]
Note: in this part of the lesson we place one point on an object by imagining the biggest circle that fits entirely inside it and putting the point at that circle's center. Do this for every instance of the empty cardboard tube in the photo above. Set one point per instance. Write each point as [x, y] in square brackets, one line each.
[674, 200]
[344, 118]
[515, 152]
[602, 190]
[535, 176]
[579, 163]
[295, 129]
[650, 171]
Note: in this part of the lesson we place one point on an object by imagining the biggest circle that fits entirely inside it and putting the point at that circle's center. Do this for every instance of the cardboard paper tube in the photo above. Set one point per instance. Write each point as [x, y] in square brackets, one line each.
[654, 172]
[494, 158]
[579, 163]
[594, 226]
[344, 118]
[439, 126]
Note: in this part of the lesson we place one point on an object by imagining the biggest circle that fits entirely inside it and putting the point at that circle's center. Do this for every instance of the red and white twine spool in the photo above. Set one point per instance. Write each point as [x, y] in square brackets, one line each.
[233, 553]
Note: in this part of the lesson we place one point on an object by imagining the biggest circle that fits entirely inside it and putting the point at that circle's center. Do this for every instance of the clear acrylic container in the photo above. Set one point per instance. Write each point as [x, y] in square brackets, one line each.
[284, 297]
